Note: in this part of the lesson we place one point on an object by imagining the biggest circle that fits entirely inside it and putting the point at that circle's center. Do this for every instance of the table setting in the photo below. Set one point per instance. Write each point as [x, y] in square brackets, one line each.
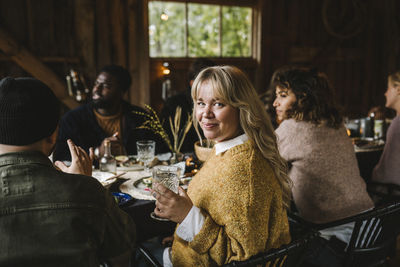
[131, 187]
[136, 172]
[367, 144]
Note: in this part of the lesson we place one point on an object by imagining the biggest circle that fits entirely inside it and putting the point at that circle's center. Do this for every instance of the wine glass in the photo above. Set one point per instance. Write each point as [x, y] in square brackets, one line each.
[168, 176]
[145, 152]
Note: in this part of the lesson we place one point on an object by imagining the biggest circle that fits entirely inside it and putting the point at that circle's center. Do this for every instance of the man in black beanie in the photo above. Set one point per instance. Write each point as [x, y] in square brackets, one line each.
[49, 217]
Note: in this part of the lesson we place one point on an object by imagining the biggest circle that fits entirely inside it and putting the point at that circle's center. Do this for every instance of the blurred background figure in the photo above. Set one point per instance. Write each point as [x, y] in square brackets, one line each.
[388, 168]
[184, 100]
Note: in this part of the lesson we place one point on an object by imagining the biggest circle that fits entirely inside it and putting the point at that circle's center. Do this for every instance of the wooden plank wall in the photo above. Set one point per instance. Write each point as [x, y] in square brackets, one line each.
[42, 29]
[294, 32]
[88, 34]
[81, 34]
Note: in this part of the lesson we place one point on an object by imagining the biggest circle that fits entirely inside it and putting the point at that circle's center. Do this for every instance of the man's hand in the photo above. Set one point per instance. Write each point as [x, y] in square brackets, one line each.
[81, 162]
[117, 148]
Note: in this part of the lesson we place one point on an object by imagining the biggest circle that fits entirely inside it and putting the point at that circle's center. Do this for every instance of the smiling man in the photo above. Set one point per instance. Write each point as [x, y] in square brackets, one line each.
[106, 116]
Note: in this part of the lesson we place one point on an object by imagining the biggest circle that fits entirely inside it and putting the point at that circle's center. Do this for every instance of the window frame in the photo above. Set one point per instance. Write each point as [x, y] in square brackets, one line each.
[255, 31]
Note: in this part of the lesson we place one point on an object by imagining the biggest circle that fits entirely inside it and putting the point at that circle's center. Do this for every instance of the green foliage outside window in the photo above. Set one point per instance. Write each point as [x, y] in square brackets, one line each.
[212, 30]
[167, 37]
[236, 25]
[203, 35]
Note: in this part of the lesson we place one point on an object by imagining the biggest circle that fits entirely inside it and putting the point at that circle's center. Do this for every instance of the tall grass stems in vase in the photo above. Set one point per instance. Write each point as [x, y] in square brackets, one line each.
[152, 122]
[177, 133]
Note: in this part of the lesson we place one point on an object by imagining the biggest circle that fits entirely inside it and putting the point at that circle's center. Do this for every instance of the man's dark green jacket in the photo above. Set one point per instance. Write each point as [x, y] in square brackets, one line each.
[50, 218]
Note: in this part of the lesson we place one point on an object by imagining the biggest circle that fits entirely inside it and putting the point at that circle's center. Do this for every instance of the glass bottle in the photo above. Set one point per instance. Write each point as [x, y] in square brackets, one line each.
[108, 162]
[78, 87]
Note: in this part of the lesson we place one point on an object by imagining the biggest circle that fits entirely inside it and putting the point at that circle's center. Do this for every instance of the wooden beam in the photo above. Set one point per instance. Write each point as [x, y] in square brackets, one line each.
[118, 19]
[103, 37]
[138, 53]
[143, 54]
[55, 59]
[30, 63]
[85, 35]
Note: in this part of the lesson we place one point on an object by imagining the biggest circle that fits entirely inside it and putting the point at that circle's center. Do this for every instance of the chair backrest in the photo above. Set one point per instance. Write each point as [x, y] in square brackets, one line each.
[147, 257]
[289, 255]
[373, 236]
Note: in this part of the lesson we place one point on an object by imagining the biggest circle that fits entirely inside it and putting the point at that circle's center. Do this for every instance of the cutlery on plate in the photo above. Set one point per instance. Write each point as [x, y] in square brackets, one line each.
[115, 176]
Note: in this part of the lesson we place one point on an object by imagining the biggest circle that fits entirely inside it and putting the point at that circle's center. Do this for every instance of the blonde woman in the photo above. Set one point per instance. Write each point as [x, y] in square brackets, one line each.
[235, 206]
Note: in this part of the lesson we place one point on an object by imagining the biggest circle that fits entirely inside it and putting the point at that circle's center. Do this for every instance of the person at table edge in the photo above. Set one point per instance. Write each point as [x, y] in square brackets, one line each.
[107, 116]
[50, 217]
[388, 168]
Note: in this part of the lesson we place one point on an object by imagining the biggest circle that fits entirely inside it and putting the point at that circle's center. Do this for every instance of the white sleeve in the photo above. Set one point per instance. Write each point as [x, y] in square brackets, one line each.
[167, 258]
[191, 225]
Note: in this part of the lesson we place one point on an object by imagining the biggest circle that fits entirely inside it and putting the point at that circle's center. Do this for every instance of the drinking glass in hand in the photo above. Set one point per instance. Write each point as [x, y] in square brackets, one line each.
[168, 176]
[145, 152]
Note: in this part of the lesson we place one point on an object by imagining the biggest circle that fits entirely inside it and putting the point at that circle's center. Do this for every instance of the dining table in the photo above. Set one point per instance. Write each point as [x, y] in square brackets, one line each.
[130, 181]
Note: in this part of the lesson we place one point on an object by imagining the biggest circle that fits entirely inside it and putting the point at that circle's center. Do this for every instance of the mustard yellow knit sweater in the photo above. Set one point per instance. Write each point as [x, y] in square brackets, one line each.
[241, 200]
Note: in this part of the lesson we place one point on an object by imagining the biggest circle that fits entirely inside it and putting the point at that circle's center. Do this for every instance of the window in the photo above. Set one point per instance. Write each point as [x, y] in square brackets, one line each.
[179, 29]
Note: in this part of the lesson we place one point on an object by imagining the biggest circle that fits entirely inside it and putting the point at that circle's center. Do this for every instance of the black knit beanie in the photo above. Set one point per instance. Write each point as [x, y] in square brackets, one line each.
[29, 111]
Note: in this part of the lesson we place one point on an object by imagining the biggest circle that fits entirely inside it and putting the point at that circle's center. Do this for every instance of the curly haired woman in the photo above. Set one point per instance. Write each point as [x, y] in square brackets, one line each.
[327, 185]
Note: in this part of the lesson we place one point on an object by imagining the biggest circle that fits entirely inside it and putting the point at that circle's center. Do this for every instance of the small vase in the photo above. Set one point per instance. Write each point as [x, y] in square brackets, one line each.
[202, 153]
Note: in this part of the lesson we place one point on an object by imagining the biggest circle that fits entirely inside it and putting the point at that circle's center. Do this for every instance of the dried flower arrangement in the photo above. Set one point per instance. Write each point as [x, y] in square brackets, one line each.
[153, 123]
[179, 134]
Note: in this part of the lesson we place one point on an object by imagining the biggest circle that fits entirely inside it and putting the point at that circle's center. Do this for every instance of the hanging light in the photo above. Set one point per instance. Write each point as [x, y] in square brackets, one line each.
[165, 69]
[164, 16]
[166, 90]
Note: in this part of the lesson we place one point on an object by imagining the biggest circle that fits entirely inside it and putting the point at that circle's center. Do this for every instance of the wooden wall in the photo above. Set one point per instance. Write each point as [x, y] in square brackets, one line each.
[357, 47]
[80, 34]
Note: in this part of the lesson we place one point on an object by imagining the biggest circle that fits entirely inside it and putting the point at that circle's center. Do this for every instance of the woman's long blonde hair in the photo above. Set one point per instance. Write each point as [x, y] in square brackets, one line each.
[233, 87]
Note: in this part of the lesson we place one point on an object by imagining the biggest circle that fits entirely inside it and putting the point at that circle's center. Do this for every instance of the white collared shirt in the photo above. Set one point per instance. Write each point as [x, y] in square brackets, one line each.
[194, 220]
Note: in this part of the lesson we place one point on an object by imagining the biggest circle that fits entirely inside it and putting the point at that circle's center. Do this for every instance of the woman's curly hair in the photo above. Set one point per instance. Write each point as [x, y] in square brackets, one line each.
[314, 95]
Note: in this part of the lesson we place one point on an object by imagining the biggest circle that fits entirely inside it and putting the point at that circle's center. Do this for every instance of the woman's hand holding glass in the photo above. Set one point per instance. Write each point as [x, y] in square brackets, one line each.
[169, 205]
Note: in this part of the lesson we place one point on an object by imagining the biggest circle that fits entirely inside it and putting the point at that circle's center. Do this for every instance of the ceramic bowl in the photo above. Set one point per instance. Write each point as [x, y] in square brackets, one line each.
[202, 153]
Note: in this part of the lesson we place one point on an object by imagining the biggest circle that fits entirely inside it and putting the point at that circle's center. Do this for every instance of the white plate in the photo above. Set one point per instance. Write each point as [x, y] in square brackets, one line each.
[139, 190]
[136, 188]
[136, 167]
[103, 176]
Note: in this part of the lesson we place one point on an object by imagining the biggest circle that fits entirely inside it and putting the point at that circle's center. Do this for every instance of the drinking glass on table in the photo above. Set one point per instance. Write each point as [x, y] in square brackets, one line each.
[145, 152]
[168, 176]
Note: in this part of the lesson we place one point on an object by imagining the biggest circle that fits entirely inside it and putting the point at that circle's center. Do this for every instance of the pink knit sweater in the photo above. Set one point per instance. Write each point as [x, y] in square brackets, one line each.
[327, 185]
